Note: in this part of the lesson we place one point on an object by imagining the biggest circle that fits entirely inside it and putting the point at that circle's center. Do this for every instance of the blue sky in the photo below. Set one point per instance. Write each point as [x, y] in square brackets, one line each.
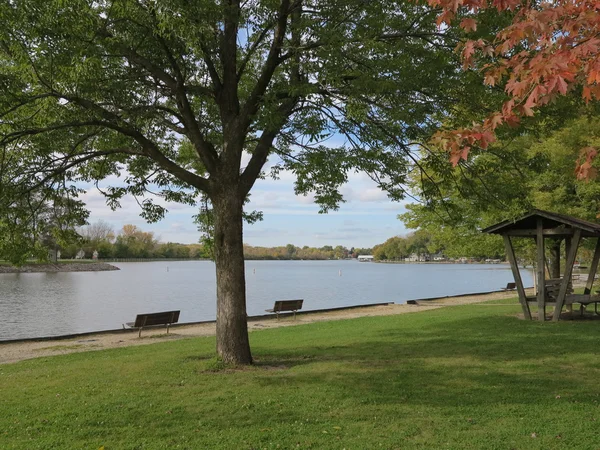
[367, 218]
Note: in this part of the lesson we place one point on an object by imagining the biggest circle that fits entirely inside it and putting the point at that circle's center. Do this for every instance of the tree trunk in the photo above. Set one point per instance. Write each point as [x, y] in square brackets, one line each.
[554, 268]
[233, 345]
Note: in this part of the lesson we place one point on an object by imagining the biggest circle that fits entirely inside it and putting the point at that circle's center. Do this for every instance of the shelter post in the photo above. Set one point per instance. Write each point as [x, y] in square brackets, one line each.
[541, 272]
[593, 269]
[560, 300]
[510, 253]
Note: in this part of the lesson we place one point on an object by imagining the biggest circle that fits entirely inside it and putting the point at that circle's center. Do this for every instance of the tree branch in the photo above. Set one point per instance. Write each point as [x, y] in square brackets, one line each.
[252, 49]
[273, 60]
[262, 149]
[229, 95]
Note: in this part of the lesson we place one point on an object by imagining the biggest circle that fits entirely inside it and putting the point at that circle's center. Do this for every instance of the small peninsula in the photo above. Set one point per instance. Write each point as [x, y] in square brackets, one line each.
[58, 267]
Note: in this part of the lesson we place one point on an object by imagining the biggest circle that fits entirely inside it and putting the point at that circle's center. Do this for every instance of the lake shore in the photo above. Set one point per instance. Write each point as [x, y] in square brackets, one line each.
[59, 267]
[11, 352]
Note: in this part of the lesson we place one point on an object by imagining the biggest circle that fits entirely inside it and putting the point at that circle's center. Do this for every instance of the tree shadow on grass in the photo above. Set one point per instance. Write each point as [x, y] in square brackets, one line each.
[462, 362]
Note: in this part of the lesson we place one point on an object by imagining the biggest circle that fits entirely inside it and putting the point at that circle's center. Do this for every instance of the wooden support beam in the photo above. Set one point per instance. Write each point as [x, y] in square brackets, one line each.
[510, 254]
[560, 300]
[557, 232]
[550, 232]
[593, 269]
[567, 249]
[554, 260]
[541, 265]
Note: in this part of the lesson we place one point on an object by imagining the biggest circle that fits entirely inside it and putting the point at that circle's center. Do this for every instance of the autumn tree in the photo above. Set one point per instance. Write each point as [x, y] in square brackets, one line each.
[172, 95]
[516, 174]
[131, 242]
[548, 50]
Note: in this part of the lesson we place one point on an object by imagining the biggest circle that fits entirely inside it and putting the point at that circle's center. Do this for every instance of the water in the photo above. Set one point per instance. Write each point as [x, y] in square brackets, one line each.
[52, 304]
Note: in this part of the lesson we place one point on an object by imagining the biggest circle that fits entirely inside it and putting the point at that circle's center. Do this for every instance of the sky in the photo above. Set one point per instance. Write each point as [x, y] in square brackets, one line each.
[367, 218]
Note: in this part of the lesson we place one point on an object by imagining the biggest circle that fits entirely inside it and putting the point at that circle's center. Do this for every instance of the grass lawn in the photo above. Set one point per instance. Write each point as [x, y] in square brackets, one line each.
[459, 377]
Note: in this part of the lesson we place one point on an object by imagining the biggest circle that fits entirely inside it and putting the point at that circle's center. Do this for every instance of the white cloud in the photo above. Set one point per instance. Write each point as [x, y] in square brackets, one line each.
[373, 195]
[365, 219]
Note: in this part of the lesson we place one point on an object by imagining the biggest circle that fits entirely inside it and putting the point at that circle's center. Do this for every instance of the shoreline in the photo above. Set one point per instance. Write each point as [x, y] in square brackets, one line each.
[59, 267]
[15, 351]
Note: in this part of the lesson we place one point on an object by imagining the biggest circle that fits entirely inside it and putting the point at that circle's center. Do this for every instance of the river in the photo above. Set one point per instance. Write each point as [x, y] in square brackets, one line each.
[53, 304]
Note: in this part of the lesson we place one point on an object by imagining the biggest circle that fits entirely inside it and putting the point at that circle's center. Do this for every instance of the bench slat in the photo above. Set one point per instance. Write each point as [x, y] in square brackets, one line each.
[160, 318]
[287, 305]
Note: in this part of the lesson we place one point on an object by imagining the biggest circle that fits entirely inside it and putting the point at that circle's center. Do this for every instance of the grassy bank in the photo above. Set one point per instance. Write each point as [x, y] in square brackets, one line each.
[458, 377]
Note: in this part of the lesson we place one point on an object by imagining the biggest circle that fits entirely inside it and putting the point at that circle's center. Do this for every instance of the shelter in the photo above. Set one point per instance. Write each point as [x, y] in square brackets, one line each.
[542, 225]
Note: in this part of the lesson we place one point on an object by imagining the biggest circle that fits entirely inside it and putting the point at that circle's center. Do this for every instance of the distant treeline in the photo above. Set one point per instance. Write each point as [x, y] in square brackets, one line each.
[399, 248]
[133, 243]
[307, 253]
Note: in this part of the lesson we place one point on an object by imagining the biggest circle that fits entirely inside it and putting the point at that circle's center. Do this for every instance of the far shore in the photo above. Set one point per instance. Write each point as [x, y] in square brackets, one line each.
[59, 267]
[11, 352]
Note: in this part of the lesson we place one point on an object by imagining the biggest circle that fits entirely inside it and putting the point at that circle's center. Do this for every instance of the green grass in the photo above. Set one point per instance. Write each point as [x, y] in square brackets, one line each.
[461, 377]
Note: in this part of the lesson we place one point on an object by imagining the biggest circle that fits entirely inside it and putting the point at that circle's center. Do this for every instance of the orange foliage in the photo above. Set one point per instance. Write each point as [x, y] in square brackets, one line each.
[560, 42]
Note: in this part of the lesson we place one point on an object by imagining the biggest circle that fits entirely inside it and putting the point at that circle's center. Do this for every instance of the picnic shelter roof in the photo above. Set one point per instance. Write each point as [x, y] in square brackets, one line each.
[557, 225]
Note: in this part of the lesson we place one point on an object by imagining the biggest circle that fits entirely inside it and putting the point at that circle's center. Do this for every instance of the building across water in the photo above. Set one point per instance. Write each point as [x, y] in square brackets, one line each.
[366, 258]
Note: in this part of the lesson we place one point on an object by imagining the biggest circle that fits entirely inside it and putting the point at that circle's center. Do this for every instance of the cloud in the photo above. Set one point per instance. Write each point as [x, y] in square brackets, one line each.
[373, 195]
[305, 199]
[365, 219]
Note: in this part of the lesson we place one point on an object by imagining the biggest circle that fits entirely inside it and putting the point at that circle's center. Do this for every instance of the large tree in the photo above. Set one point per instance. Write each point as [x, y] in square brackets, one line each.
[173, 94]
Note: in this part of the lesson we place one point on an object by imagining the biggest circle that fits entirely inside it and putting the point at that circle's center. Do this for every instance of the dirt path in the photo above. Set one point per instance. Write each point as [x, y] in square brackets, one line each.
[18, 351]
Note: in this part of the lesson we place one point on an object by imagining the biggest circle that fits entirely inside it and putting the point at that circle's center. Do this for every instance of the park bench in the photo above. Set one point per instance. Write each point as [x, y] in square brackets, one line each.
[154, 319]
[286, 305]
[510, 287]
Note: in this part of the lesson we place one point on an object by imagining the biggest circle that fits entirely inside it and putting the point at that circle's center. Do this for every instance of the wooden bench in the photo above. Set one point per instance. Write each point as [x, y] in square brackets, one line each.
[154, 319]
[286, 305]
[510, 287]
[584, 301]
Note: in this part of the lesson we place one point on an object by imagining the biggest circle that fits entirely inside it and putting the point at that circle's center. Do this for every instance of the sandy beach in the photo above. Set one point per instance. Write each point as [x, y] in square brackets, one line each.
[18, 351]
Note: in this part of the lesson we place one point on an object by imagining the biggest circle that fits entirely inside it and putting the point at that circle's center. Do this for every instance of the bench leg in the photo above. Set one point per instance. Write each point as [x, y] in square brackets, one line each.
[140, 333]
[294, 314]
[168, 328]
[277, 314]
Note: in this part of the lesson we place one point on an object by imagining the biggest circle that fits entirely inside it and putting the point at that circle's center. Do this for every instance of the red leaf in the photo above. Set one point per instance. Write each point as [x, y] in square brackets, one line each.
[593, 76]
[496, 120]
[459, 153]
[562, 85]
[468, 24]
[587, 93]
[467, 53]
[527, 110]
